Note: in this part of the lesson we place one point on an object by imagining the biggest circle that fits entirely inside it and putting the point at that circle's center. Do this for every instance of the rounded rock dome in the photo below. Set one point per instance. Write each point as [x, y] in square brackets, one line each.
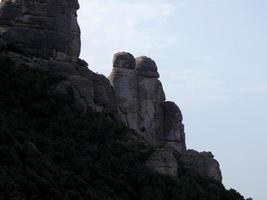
[123, 60]
[146, 64]
[146, 67]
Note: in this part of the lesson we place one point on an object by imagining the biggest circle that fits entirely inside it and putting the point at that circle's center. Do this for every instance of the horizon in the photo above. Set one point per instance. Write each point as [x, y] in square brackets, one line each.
[213, 54]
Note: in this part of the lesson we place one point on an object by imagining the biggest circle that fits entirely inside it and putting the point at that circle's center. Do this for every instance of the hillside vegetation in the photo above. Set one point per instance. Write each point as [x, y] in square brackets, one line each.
[50, 151]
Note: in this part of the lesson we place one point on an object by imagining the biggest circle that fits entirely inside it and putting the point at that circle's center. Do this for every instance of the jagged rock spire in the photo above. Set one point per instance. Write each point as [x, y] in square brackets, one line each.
[41, 28]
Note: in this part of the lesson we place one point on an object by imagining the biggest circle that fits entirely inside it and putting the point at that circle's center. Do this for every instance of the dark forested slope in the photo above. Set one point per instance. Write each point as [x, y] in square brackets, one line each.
[50, 151]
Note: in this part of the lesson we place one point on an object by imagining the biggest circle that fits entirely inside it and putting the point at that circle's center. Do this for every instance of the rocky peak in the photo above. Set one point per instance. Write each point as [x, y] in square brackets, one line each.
[142, 106]
[141, 101]
[48, 31]
[150, 99]
[41, 28]
[123, 60]
[147, 67]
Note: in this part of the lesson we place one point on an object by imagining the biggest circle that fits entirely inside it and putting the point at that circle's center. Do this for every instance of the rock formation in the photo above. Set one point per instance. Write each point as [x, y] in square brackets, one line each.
[174, 134]
[124, 81]
[141, 101]
[44, 34]
[163, 160]
[151, 97]
[202, 163]
[142, 106]
[42, 28]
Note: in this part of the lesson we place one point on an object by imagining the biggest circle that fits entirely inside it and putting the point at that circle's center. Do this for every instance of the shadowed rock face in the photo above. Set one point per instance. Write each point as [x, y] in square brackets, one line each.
[202, 163]
[42, 28]
[163, 161]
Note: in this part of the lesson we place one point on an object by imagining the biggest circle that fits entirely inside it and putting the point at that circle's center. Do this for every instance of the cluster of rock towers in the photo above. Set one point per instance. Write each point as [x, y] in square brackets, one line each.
[44, 34]
[141, 102]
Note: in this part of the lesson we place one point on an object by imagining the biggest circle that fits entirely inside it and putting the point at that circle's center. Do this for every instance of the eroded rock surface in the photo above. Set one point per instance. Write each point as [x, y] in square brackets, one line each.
[41, 28]
[124, 81]
[142, 106]
[174, 134]
[202, 163]
[150, 99]
[90, 91]
[163, 161]
[141, 101]
[44, 34]
[146, 67]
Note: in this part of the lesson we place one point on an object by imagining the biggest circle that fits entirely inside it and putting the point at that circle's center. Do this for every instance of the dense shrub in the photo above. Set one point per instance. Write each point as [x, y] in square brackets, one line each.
[50, 151]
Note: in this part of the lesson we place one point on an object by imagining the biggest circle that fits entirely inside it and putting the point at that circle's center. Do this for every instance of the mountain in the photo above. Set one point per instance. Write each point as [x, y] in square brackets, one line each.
[69, 133]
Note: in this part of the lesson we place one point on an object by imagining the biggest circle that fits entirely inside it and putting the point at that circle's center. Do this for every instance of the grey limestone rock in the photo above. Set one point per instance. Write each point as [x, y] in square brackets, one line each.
[141, 101]
[150, 99]
[142, 106]
[42, 28]
[174, 134]
[104, 96]
[123, 60]
[124, 81]
[147, 67]
[44, 35]
[202, 163]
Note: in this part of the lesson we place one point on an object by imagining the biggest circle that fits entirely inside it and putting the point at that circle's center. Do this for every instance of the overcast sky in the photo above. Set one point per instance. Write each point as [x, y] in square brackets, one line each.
[212, 57]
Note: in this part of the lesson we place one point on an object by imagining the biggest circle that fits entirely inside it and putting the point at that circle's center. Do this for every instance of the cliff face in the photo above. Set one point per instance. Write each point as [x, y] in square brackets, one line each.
[46, 29]
[201, 163]
[124, 81]
[45, 35]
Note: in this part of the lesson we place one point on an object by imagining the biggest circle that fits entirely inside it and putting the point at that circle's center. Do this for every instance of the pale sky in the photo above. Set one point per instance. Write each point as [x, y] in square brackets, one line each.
[212, 57]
